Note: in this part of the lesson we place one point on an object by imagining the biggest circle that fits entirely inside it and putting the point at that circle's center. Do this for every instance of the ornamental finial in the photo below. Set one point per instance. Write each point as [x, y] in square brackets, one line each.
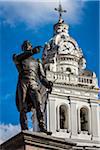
[60, 11]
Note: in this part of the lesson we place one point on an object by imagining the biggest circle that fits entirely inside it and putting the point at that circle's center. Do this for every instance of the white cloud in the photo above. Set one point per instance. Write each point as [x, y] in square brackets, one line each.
[7, 131]
[38, 12]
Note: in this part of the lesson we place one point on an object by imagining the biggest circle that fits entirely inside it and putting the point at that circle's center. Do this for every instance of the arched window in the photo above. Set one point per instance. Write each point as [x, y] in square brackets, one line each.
[68, 69]
[84, 123]
[63, 117]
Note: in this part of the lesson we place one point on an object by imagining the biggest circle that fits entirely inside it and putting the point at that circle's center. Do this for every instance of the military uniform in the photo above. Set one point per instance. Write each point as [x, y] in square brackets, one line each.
[31, 73]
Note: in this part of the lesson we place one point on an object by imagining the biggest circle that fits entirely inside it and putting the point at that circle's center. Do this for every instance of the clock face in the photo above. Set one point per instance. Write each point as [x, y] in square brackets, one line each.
[67, 47]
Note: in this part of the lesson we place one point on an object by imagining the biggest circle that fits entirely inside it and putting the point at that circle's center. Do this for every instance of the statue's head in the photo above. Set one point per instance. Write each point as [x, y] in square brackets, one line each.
[26, 46]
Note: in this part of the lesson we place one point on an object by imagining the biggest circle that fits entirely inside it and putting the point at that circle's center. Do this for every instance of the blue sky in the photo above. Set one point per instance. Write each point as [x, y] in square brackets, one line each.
[34, 21]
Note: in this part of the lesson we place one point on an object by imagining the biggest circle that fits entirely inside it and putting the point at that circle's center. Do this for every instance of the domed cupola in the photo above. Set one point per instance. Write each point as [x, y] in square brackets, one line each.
[62, 50]
[62, 54]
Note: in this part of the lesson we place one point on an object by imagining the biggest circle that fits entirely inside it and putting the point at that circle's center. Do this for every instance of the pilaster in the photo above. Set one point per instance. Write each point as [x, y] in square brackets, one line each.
[73, 118]
[95, 120]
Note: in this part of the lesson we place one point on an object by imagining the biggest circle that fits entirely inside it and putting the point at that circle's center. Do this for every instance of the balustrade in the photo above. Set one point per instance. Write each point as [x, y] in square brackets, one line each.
[69, 78]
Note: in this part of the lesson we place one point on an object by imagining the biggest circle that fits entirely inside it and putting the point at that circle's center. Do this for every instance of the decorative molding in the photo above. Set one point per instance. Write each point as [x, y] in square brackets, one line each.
[34, 140]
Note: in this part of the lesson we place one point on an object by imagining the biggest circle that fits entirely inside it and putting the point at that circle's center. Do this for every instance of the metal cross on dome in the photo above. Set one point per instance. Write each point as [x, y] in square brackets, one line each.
[60, 11]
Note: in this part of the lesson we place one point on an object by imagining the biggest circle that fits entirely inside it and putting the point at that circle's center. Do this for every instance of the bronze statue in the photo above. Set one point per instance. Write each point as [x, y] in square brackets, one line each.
[28, 95]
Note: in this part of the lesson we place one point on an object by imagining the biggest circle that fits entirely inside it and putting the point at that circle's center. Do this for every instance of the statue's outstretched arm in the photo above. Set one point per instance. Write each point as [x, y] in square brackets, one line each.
[22, 56]
[26, 54]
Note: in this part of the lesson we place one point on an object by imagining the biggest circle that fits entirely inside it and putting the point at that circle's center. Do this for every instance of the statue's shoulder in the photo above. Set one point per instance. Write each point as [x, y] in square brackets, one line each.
[15, 57]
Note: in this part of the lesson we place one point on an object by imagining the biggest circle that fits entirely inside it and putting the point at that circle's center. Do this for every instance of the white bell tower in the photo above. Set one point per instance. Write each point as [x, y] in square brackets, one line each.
[72, 108]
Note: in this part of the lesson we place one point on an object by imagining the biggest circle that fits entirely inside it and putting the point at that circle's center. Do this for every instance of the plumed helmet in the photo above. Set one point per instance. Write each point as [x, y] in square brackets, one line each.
[25, 45]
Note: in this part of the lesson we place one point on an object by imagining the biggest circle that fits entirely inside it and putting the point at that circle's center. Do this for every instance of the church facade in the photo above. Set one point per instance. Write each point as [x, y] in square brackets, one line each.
[72, 107]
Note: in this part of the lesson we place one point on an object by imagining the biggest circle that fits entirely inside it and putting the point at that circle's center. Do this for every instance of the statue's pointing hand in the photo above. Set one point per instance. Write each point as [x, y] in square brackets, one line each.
[36, 49]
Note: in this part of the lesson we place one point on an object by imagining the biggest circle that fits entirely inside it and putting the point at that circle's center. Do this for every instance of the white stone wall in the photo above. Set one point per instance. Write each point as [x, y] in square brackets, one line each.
[76, 88]
[58, 97]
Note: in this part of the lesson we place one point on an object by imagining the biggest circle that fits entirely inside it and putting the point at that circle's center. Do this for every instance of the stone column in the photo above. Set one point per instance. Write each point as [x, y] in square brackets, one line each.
[69, 118]
[73, 118]
[78, 121]
[89, 123]
[95, 120]
[51, 116]
[69, 115]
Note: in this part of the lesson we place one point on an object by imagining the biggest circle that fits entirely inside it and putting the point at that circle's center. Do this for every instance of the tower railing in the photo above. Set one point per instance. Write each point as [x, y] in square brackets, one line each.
[64, 78]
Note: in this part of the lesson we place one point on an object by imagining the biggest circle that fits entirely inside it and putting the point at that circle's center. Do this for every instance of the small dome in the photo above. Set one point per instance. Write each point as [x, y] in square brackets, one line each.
[61, 27]
[86, 73]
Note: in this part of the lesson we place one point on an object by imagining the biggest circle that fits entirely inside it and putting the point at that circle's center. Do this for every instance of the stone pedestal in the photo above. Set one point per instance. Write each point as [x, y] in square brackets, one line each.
[28, 140]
